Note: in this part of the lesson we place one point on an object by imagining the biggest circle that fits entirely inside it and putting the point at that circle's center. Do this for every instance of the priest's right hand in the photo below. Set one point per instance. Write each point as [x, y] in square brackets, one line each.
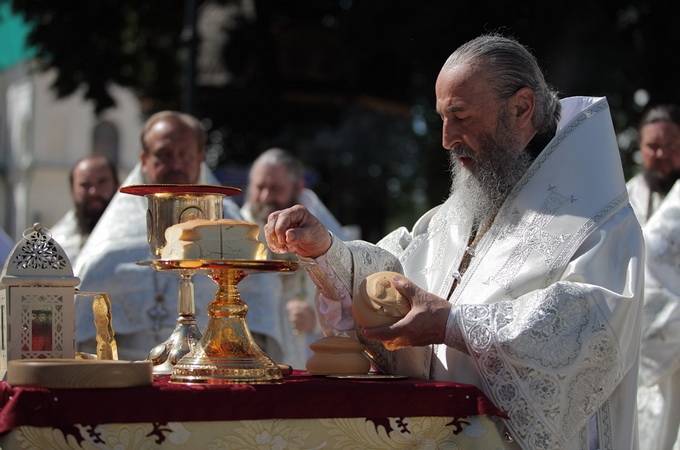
[296, 230]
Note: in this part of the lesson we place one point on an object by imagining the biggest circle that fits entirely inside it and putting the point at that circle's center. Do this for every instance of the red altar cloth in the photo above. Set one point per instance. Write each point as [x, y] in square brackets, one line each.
[299, 396]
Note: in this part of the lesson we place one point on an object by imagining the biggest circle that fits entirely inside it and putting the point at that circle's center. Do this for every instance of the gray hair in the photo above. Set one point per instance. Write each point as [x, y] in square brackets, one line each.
[280, 157]
[166, 116]
[509, 66]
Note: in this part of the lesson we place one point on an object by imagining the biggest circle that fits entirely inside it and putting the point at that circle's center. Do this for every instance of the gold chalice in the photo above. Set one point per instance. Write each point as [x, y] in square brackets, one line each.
[170, 204]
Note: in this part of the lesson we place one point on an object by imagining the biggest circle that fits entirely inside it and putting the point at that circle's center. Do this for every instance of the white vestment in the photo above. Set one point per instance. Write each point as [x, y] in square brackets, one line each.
[298, 285]
[546, 319]
[642, 199]
[108, 262]
[659, 390]
[66, 233]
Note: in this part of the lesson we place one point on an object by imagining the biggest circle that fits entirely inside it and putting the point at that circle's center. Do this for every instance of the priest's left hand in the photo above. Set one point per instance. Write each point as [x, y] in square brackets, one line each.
[424, 324]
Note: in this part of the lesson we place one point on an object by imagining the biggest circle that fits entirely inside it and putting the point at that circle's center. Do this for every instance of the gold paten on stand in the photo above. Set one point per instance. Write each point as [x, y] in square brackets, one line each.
[227, 352]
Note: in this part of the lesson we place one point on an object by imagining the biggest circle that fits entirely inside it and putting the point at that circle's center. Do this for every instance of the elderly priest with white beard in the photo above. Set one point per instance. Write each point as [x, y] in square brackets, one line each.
[527, 280]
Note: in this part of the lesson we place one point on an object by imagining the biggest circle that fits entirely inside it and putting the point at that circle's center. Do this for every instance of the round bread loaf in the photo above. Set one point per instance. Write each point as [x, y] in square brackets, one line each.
[378, 303]
[337, 355]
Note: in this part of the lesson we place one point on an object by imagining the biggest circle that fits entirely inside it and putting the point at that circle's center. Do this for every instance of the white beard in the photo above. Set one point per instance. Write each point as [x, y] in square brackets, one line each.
[478, 195]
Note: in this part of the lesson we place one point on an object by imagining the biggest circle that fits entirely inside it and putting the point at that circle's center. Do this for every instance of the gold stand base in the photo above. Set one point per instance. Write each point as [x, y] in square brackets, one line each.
[227, 353]
[205, 370]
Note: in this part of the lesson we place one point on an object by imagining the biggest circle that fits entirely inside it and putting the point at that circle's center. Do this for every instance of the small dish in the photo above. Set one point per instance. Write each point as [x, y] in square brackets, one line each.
[79, 373]
[368, 376]
[161, 189]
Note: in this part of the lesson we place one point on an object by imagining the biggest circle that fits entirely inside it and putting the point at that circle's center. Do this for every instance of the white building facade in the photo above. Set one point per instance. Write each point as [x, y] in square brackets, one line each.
[41, 137]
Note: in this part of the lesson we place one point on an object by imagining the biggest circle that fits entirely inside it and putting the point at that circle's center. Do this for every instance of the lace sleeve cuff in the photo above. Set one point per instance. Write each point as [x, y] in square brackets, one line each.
[331, 272]
[453, 336]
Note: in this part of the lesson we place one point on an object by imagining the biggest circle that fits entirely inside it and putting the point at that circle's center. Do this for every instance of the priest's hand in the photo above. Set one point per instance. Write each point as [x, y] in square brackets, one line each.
[296, 230]
[424, 324]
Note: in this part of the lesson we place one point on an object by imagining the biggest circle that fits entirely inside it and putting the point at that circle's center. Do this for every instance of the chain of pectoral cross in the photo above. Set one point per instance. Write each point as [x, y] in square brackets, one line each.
[157, 313]
[475, 236]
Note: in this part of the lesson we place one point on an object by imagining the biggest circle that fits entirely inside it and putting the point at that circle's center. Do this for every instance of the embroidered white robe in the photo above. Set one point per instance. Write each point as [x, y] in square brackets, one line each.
[548, 313]
[642, 199]
[66, 233]
[659, 390]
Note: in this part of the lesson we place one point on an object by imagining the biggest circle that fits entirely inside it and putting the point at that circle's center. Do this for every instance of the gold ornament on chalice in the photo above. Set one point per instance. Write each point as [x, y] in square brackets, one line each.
[226, 353]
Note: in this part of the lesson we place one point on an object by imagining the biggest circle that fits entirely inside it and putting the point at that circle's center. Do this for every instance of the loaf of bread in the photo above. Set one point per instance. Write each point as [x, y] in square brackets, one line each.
[217, 239]
[378, 303]
[336, 355]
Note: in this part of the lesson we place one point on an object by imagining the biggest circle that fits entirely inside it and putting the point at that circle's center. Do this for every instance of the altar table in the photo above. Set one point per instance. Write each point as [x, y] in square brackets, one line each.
[301, 412]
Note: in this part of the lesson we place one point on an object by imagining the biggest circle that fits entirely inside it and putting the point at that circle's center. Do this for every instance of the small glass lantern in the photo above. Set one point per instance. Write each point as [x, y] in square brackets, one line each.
[37, 309]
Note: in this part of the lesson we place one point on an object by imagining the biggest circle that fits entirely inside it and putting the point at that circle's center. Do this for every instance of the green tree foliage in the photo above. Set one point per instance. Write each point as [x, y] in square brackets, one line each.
[349, 84]
[97, 43]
